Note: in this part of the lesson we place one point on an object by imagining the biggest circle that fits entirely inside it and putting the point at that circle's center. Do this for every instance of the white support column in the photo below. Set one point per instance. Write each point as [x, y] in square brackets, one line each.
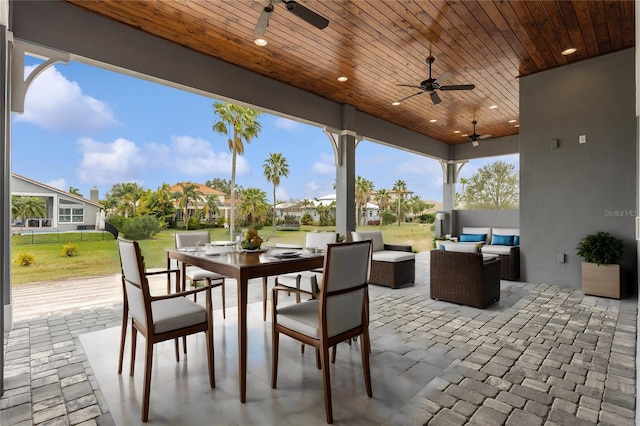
[5, 187]
[450, 172]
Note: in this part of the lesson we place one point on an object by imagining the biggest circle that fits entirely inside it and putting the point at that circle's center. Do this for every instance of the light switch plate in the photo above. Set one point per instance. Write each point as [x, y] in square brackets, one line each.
[582, 139]
[559, 257]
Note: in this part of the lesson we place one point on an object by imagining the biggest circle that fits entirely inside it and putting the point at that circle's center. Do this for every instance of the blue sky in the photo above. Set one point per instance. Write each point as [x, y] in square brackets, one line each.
[85, 126]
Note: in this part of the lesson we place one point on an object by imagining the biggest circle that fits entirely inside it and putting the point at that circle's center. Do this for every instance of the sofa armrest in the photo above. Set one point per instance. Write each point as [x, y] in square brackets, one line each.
[398, 247]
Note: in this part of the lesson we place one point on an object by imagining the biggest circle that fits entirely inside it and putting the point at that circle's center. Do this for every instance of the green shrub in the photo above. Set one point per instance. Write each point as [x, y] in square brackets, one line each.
[306, 219]
[388, 217]
[141, 227]
[427, 218]
[601, 248]
[26, 259]
[117, 221]
[70, 250]
[220, 222]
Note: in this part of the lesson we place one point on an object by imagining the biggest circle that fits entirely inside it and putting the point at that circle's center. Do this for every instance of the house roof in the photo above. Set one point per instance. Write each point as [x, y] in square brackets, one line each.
[202, 188]
[56, 190]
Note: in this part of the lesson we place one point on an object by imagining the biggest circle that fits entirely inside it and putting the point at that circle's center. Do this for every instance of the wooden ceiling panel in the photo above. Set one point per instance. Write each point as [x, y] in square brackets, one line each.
[381, 44]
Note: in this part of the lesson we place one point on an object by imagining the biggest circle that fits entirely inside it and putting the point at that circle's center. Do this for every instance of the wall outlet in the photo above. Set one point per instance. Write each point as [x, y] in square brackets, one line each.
[560, 258]
[582, 139]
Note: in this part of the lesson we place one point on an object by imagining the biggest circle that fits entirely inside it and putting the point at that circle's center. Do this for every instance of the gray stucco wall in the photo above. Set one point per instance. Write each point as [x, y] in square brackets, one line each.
[484, 218]
[577, 189]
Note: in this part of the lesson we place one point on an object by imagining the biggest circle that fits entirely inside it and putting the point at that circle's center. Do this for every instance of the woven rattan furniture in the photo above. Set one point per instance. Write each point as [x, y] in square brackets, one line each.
[392, 265]
[466, 278]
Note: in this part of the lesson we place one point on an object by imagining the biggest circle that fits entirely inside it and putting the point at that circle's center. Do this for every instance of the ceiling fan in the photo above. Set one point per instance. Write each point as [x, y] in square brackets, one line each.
[297, 9]
[431, 85]
[475, 138]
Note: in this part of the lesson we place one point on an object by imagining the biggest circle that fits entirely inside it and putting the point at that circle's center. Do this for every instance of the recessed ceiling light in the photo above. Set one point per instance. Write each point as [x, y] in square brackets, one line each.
[569, 51]
[432, 121]
[456, 131]
[260, 42]
[464, 135]
[517, 125]
[493, 107]
[512, 121]
[342, 79]
[396, 103]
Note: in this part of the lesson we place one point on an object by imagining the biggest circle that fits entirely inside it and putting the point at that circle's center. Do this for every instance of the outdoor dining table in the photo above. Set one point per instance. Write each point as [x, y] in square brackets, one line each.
[243, 266]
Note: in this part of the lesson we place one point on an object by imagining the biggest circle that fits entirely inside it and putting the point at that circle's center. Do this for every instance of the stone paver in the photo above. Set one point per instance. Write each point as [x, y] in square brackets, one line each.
[543, 355]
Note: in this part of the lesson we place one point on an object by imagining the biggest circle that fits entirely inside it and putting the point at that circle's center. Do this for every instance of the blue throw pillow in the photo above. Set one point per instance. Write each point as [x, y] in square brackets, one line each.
[473, 238]
[516, 240]
[502, 240]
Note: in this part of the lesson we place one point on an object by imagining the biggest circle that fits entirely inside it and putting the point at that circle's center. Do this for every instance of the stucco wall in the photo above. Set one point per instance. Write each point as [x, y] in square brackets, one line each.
[577, 189]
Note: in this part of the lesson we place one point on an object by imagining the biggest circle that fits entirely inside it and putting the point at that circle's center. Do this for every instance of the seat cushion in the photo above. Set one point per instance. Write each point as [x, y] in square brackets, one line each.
[495, 249]
[392, 256]
[176, 313]
[197, 274]
[460, 247]
[301, 317]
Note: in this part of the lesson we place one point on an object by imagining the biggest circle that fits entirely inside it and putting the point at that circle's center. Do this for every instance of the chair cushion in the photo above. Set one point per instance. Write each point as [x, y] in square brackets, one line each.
[496, 249]
[176, 313]
[392, 256]
[375, 237]
[461, 247]
[301, 317]
[195, 273]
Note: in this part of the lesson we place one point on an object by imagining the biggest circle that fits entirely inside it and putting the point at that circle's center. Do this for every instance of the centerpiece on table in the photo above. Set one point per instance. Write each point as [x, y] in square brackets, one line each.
[252, 240]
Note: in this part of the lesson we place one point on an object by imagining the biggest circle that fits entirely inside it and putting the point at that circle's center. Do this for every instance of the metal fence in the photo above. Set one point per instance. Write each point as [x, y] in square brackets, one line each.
[55, 236]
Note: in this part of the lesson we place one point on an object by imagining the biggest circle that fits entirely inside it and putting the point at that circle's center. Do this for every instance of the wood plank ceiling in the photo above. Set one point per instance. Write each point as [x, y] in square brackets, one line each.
[380, 44]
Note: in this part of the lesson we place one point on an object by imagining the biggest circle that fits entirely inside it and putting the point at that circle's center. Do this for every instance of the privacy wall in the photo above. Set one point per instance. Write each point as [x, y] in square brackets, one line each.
[570, 189]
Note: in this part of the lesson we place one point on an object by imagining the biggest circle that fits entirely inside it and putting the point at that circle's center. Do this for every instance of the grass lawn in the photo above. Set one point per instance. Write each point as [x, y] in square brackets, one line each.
[98, 255]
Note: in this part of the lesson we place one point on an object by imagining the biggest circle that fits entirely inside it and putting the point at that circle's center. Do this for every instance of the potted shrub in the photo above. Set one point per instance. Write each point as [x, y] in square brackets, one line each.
[600, 271]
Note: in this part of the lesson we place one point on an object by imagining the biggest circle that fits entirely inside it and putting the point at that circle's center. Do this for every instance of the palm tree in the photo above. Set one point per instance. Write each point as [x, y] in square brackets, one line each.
[189, 196]
[274, 168]
[364, 187]
[28, 207]
[382, 197]
[239, 124]
[253, 205]
[416, 205]
[400, 188]
[210, 206]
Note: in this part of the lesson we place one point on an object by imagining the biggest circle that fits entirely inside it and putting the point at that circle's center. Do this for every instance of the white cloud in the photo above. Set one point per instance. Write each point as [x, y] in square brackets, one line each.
[108, 163]
[59, 183]
[286, 124]
[420, 165]
[312, 187]
[55, 103]
[195, 157]
[281, 194]
[325, 166]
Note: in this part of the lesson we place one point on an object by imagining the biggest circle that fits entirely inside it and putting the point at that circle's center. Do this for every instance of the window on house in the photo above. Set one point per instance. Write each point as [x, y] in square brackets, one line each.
[70, 215]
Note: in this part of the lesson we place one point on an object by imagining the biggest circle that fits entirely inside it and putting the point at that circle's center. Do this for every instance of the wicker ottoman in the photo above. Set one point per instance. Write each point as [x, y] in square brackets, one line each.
[465, 278]
[393, 273]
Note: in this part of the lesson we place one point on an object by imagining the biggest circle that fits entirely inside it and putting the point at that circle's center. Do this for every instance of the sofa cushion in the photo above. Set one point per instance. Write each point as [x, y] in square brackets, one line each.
[495, 249]
[516, 240]
[375, 237]
[461, 247]
[502, 240]
[473, 238]
[506, 231]
[477, 230]
[392, 256]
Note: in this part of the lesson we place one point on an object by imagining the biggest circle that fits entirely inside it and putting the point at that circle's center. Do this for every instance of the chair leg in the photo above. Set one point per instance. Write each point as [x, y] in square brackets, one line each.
[264, 298]
[365, 348]
[326, 384]
[224, 315]
[318, 362]
[177, 347]
[274, 358]
[333, 354]
[123, 337]
[134, 340]
[210, 357]
[146, 390]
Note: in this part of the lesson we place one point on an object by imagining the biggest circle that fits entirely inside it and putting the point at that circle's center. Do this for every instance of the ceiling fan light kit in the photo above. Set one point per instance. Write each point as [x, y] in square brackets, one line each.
[297, 9]
[475, 138]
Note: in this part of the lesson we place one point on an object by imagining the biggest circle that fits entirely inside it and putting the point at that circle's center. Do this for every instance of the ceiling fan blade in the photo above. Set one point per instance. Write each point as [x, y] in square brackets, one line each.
[410, 96]
[308, 15]
[263, 20]
[458, 87]
[444, 77]
[409, 85]
[435, 98]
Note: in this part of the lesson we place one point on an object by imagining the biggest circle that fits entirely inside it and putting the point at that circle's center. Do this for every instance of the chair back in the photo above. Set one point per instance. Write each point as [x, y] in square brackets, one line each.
[319, 240]
[374, 236]
[345, 287]
[135, 283]
[191, 239]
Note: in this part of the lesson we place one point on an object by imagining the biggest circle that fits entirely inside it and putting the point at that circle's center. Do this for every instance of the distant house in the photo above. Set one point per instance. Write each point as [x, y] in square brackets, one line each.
[65, 211]
[221, 198]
